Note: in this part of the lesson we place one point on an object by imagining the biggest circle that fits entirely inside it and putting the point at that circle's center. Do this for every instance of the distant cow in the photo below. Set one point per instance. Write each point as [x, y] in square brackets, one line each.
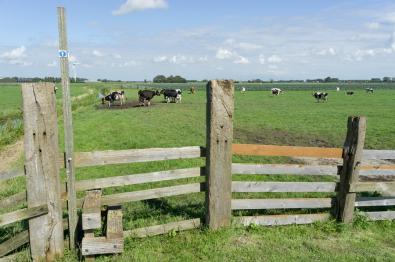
[145, 96]
[276, 91]
[337, 89]
[369, 90]
[114, 96]
[320, 96]
[350, 93]
[171, 95]
[192, 90]
[243, 89]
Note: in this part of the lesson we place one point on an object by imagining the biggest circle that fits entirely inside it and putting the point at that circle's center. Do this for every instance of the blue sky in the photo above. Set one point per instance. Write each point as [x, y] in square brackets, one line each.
[138, 39]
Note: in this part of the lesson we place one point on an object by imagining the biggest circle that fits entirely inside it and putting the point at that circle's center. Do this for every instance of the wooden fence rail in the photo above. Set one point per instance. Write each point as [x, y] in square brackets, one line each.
[23, 214]
[243, 186]
[281, 203]
[5, 175]
[278, 220]
[99, 158]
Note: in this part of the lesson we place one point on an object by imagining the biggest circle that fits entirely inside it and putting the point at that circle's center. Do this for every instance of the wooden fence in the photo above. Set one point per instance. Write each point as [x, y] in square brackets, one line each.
[45, 201]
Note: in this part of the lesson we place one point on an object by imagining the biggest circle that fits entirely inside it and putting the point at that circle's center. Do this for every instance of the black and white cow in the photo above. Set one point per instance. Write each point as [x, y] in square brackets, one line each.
[145, 96]
[172, 95]
[369, 90]
[350, 93]
[276, 91]
[114, 96]
[320, 96]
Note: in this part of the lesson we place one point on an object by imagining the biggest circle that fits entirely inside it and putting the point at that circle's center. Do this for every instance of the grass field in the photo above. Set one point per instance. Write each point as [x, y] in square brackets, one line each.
[290, 119]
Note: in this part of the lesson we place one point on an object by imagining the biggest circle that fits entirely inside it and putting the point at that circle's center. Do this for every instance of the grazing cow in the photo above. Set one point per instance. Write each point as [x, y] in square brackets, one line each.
[320, 96]
[192, 90]
[369, 90]
[145, 96]
[276, 91]
[114, 96]
[350, 93]
[171, 95]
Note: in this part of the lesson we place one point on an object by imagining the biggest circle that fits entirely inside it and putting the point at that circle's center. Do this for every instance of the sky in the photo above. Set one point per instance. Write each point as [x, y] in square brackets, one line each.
[216, 39]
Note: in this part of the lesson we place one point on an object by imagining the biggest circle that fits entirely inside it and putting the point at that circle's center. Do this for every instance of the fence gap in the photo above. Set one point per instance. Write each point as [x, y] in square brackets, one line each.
[220, 106]
[68, 129]
[42, 171]
[352, 156]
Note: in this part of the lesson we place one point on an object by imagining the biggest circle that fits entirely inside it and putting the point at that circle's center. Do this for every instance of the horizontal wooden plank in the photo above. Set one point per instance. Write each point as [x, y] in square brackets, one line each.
[13, 201]
[137, 179]
[101, 246]
[163, 229]
[14, 257]
[22, 214]
[378, 154]
[381, 215]
[5, 175]
[97, 158]
[114, 227]
[295, 151]
[277, 220]
[383, 187]
[91, 210]
[375, 201]
[243, 186]
[270, 169]
[13, 243]
[383, 170]
[116, 199]
[284, 203]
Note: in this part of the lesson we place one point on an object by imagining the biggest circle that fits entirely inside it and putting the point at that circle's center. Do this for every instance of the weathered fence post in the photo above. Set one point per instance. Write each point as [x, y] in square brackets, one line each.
[68, 128]
[352, 156]
[219, 153]
[42, 172]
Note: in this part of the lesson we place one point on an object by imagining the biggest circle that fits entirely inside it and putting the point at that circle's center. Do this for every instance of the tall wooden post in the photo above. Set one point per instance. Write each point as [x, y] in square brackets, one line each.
[68, 127]
[220, 106]
[352, 156]
[42, 171]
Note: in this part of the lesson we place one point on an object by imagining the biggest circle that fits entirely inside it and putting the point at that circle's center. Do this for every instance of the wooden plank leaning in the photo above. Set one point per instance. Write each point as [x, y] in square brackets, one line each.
[352, 156]
[220, 106]
[42, 171]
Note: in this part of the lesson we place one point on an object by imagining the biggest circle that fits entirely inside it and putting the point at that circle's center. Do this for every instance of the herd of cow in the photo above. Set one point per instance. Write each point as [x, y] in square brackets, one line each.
[319, 96]
[145, 96]
[174, 95]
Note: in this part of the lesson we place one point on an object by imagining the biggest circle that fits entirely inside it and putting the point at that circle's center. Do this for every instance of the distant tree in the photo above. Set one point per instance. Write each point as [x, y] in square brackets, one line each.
[159, 79]
[387, 79]
[375, 80]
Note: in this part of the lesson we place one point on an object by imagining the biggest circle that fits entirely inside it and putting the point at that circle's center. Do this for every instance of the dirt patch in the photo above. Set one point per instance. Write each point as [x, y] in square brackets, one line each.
[10, 154]
[128, 104]
[269, 136]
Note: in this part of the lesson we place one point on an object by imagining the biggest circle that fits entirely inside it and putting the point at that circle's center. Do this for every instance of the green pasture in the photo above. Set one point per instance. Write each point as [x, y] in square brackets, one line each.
[294, 118]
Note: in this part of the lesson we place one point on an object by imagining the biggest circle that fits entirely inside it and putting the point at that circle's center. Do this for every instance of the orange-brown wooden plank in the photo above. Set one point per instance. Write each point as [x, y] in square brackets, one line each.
[271, 150]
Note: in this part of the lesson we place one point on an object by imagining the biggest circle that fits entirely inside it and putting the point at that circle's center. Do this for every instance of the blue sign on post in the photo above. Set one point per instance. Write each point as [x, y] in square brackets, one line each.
[63, 53]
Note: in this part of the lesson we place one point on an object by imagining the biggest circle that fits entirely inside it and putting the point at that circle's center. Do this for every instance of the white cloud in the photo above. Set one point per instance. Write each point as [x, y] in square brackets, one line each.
[117, 56]
[160, 59]
[373, 25]
[249, 46]
[72, 59]
[327, 51]
[223, 53]
[274, 59]
[52, 64]
[203, 59]
[139, 5]
[261, 59]
[392, 41]
[388, 18]
[129, 63]
[15, 53]
[97, 53]
[241, 60]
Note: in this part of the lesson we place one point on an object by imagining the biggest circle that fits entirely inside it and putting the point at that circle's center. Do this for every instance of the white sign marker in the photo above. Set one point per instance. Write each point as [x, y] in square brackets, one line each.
[63, 53]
